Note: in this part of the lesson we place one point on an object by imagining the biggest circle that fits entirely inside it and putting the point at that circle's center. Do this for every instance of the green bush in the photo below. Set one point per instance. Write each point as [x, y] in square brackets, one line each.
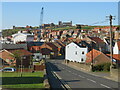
[107, 66]
[102, 67]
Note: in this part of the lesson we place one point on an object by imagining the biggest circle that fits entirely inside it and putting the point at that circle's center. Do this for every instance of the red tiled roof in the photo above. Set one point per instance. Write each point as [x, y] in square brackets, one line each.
[96, 39]
[92, 55]
[78, 40]
[71, 38]
[22, 52]
[97, 28]
[115, 56]
[35, 47]
[109, 27]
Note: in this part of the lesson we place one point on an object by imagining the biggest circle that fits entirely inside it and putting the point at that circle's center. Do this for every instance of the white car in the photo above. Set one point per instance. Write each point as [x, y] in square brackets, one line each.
[8, 70]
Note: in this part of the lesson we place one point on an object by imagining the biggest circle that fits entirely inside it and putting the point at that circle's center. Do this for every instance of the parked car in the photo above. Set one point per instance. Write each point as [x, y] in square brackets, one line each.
[8, 70]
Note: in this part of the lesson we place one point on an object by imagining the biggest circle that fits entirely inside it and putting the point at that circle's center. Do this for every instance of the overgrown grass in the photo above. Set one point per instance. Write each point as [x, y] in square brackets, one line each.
[28, 80]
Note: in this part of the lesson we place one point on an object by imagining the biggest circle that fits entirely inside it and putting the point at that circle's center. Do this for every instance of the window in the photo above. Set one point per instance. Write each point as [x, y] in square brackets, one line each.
[11, 60]
[37, 57]
[82, 59]
[76, 52]
[82, 52]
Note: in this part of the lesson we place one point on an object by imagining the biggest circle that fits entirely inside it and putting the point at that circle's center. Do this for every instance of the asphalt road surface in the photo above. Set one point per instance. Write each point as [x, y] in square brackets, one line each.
[76, 79]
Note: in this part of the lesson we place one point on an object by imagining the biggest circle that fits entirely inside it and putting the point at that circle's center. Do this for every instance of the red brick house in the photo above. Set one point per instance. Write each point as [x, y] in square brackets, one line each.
[8, 57]
[49, 49]
[98, 44]
[96, 57]
[107, 29]
[34, 49]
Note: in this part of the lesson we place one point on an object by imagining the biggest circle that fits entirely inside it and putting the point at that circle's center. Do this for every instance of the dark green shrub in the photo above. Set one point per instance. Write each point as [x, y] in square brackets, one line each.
[102, 67]
[107, 66]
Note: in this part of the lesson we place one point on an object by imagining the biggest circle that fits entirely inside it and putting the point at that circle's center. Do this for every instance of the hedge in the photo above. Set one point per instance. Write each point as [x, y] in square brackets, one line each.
[102, 67]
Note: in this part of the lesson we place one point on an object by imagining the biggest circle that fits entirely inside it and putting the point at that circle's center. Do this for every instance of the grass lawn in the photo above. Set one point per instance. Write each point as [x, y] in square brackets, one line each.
[28, 80]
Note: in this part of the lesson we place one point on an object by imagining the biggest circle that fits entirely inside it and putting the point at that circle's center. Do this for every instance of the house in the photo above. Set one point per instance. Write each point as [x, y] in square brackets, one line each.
[117, 35]
[98, 43]
[49, 50]
[116, 48]
[35, 47]
[22, 37]
[8, 57]
[114, 28]
[97, 29]
[75, 34]
[37, 56]
[116, 59]
[75, 52]
[96, 57]
[70, 32]
[107, 42]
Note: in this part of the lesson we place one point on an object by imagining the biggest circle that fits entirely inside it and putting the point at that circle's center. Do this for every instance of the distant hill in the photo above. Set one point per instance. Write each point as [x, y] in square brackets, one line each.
[9, 32]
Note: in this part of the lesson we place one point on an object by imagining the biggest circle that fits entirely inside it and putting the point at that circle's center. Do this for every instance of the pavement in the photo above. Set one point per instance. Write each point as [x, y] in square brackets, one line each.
[77, 79]
[99, 74]
[54, 82]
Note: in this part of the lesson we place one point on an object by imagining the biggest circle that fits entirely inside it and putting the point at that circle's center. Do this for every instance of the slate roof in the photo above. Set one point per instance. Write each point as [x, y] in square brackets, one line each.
[12, 46]
[96, 39]
[60, 42]
[108, 41]
[35, 43]
[83, 44]
[52, 46]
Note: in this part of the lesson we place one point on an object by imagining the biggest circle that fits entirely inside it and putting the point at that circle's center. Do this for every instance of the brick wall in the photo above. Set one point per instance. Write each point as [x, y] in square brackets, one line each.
[39, 67]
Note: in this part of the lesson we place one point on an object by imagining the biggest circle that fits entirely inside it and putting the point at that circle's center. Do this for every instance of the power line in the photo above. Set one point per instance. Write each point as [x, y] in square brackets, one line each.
[99, 22]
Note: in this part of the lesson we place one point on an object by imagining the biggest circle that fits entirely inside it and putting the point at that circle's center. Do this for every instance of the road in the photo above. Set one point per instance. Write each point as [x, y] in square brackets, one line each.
[76, 79]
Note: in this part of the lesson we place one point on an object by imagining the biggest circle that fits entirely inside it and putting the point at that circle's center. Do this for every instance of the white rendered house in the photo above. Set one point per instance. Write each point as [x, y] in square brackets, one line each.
[76, 53]
[116, 48]
[22, 37]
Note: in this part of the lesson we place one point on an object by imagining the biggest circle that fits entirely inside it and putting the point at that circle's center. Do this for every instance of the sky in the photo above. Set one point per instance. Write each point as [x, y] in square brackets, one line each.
[28, 13]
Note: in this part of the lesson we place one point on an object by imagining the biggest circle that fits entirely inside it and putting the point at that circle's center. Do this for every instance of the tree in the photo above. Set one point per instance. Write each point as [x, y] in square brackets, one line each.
[17, 56]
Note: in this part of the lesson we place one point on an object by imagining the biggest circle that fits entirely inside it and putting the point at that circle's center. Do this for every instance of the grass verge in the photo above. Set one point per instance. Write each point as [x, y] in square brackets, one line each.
[28, 80]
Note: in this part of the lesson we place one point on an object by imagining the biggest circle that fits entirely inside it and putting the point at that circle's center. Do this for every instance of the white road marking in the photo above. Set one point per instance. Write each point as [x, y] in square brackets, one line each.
[55, 74]
[75, 74]
[105, 86]
[81, 76]
[69, 71]
[91, 80]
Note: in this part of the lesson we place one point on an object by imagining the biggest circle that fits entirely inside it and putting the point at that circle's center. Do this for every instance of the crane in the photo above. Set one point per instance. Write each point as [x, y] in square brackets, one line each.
[41, 18]
[41, 22]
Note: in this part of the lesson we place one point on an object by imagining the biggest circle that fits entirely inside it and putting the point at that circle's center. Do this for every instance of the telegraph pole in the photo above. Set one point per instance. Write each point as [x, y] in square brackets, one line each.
[111, 39]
